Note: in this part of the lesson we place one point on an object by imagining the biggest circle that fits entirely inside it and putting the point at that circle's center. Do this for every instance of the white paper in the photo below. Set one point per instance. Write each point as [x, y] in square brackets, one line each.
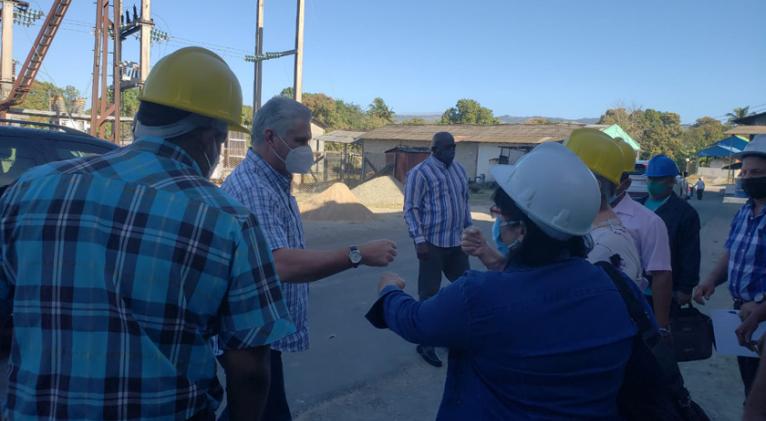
[725, 323]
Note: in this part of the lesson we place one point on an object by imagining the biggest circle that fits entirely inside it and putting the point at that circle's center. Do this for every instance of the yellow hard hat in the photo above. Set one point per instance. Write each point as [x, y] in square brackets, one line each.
[197, 80]
[599, 152]
[628, 153]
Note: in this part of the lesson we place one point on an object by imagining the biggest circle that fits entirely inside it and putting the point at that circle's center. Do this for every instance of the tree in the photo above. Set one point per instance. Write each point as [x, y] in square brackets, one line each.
[468, 111]
[129, 101]
[704, 132]
[72, 99]
[538, 120]
[379, 110]
[288, 92]
[656, 131]
[336, 114]
[415, 121]
[660, 132]
[247, 115]
[624, 118]
[739, 112]
[710, 129]
[40, 96]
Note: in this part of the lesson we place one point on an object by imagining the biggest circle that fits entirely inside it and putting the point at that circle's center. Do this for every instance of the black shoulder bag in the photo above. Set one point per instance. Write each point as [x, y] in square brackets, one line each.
[692, 334]
[652, 388]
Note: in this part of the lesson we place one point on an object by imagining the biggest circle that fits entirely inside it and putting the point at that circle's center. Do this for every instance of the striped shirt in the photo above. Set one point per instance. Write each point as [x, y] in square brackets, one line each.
[436, 203]
[120, 268]
[267, 194]
[747, 254]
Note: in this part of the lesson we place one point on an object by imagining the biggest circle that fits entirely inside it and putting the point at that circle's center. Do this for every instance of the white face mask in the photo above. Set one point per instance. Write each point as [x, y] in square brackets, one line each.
[299, 160]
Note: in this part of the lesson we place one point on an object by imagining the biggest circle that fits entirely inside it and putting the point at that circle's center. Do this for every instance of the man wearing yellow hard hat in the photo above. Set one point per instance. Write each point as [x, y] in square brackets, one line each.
[126, 264]
[611, 240]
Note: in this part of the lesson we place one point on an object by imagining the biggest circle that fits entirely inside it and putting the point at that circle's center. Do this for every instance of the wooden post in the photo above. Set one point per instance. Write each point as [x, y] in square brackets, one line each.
[117, 71]
[146, 38]
[257, 66]
[6, 63]
[95, 106]
[298, 82]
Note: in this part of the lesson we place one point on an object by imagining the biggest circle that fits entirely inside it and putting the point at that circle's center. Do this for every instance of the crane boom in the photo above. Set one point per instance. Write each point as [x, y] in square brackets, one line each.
[28, 73]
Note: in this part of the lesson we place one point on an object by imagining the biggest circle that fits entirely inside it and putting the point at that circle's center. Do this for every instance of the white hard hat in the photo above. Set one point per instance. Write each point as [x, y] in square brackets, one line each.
[553, 187]
[757, 146]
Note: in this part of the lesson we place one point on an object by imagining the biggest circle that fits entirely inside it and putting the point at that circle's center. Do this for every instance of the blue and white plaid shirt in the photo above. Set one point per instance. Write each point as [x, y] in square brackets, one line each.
[120, 268]
[267, 194]
[747, 254]
[436, 203]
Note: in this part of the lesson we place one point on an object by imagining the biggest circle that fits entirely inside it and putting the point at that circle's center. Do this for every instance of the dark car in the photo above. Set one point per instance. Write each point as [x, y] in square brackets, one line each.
[22, 148]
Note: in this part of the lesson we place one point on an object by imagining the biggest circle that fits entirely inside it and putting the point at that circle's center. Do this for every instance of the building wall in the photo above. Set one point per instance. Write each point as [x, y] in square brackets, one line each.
[760, 121]
[715, 174]
[375, 150]
[488, 155]
[466, 154]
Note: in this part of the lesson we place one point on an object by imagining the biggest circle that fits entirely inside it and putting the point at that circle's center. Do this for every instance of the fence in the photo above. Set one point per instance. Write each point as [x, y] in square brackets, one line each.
[351, 168]
[234, 151]
[348, 167]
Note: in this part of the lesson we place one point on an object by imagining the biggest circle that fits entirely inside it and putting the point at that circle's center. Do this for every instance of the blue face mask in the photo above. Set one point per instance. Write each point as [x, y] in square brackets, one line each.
[496, 235]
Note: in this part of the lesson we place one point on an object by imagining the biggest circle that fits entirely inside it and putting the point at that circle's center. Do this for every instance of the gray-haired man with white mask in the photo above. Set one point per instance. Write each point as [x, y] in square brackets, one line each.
[281, 133]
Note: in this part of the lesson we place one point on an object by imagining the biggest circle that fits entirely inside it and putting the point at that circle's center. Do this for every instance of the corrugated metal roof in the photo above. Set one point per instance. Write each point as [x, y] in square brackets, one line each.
[502, 133]
[340, 136]
[747, 130]
[753, 118]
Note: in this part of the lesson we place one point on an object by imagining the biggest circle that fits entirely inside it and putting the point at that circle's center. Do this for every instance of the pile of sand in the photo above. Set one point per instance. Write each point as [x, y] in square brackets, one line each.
[337, 203]
[381, 192]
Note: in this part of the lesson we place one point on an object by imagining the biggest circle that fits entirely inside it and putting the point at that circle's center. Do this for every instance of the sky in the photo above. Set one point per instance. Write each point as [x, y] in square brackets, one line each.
[555, 58]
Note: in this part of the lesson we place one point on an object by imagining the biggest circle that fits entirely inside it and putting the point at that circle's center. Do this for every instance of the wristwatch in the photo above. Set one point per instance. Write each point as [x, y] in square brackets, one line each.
[355, 256]
[759, 298]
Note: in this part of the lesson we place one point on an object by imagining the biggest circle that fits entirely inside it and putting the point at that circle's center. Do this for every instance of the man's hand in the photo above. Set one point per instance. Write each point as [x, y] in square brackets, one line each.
[704, 291]
[745, 333]
[682, 298]
[752, 315]
[388, 278]
[747, 309]
[378, 253]
[473, 242]
[422, 250]
[248, 375]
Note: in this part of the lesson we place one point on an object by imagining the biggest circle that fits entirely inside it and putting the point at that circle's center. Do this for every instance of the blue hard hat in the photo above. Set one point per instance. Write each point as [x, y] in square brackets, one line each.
[662, 166]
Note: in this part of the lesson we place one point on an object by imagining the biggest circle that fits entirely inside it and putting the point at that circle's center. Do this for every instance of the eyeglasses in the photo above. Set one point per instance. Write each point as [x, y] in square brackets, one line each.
[497, 213]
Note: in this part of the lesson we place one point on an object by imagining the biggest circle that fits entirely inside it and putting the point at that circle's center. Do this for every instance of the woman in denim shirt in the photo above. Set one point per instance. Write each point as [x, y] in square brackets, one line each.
[546, 338]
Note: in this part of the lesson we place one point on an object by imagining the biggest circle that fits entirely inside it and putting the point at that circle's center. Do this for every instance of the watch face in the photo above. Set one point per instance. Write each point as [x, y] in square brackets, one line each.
[758, 298]
[355, 256]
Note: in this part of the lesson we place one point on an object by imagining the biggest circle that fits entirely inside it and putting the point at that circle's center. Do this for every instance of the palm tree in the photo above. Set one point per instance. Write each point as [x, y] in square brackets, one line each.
[739, 112]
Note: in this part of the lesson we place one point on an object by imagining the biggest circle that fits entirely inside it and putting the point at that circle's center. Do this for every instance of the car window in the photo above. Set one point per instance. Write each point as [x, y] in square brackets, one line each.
[16, 156]
[69, 150]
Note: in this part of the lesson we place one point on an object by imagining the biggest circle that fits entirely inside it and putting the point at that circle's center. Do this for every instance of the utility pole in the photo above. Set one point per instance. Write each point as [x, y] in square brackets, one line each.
[97, 50]
[146, 38]
[116, 70]
[6, 62]
[258, 74]
[298, 84]
[102, 109]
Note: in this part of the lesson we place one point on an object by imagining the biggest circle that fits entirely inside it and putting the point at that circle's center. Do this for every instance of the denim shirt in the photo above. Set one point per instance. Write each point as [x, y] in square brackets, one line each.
[527, 343]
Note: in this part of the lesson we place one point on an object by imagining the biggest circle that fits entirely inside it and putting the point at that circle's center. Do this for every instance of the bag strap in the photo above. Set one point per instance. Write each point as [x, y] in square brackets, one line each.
[635, 308]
